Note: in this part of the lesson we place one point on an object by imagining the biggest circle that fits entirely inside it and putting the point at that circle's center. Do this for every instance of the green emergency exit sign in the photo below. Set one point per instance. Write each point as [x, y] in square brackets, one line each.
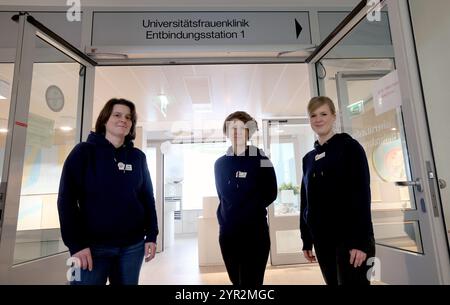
[356, 108]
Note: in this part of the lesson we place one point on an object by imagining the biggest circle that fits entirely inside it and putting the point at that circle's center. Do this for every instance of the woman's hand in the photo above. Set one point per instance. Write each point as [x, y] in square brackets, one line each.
[357, 257]
[85, 258]
[309, 256]
[150, 251]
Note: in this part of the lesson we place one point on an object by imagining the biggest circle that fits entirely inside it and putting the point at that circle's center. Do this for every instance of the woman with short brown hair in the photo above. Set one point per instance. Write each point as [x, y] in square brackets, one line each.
[106, 204]
[246, 186]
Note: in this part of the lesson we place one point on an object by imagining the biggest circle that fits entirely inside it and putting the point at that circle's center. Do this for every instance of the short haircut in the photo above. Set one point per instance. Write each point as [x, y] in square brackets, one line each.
[249, 122]
[319, 101]
[106, 112]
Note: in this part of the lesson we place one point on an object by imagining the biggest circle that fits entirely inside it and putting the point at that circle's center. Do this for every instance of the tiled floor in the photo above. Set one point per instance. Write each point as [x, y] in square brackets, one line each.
[178, 265]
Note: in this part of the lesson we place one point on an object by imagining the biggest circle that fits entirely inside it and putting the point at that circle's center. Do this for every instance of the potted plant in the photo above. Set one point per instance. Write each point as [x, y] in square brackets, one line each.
[288, 191]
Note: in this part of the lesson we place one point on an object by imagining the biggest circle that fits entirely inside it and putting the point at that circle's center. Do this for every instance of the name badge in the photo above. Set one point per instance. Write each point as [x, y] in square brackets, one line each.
[240, 174]
[128, 167]
[320, 156]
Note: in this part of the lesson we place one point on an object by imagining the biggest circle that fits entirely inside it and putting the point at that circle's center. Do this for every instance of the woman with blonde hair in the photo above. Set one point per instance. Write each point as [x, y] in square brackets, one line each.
[335, 213]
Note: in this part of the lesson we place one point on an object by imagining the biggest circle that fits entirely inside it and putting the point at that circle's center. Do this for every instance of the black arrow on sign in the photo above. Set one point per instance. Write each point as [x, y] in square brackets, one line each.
[298, 28]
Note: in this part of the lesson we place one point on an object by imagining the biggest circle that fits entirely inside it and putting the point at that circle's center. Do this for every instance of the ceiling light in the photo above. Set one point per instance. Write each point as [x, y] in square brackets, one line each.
[66, 128]
[163, 103]
[4, 90]
[65, 123]
[163, 99]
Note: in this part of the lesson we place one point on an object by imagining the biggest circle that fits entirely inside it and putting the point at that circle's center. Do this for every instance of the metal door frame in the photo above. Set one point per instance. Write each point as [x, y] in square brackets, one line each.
[436, 261]
[287, 222]
[29, 31]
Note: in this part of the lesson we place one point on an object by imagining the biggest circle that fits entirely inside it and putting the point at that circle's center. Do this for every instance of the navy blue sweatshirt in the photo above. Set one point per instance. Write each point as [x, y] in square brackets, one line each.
[100, 204]
[335, 195]
[246, 185]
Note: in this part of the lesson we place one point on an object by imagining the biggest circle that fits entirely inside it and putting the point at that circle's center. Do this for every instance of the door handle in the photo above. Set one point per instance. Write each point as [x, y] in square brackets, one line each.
[442, 184]
[415, 183]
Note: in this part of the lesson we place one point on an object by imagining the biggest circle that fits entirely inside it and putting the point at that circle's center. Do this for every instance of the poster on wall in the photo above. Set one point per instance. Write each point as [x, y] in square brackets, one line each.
[389, 161]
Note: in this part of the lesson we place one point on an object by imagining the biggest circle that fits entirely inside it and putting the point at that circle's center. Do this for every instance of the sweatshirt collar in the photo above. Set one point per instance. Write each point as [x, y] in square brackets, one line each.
[99, 139]
[335, 138]
[250, 150]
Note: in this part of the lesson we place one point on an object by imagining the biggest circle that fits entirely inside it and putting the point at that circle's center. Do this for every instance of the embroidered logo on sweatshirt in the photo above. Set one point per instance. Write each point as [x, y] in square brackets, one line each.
[240, 174]
[121, 166]
[320, 156]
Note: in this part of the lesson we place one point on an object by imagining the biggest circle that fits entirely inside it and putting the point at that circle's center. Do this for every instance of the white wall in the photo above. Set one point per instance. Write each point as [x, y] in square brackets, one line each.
[431, 24]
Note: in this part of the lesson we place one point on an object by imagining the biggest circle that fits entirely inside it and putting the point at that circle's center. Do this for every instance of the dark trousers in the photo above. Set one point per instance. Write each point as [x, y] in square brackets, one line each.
[334, 262]
[121, 265]
[245, 257]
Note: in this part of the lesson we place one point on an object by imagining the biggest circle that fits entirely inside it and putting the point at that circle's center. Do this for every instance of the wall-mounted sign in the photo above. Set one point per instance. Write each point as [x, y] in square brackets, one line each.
[386, 93]
[200, 28]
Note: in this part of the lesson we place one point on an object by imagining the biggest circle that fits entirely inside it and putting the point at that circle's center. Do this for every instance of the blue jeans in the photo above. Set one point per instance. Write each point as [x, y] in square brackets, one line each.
[121, 265]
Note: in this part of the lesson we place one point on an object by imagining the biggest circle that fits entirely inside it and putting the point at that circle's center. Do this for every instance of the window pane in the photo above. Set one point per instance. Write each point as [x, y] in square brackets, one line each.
[189, 172]
[51, 134]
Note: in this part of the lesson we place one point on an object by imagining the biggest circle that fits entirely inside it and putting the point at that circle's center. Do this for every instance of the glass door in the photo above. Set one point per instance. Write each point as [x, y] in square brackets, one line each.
[48, 92]
[379, 104]
[396, 221]
[287, 141]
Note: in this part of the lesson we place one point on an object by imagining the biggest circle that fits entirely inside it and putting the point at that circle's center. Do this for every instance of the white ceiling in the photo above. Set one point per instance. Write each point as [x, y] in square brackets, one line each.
[263, 90]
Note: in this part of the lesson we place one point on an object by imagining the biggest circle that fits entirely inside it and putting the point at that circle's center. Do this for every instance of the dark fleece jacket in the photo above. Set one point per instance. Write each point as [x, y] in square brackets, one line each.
[335, 195]
[102, 204]
[246, 185]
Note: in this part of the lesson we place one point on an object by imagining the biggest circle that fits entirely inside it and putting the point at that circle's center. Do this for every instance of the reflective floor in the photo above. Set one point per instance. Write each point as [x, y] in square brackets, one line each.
[179, 265]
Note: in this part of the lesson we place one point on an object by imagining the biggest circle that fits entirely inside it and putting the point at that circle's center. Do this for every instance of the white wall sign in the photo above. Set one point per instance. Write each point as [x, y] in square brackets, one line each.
[386, 93]
[200, 28]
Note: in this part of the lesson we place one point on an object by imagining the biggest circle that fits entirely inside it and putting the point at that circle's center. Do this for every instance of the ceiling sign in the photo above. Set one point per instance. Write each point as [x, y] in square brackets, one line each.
[200, 28]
